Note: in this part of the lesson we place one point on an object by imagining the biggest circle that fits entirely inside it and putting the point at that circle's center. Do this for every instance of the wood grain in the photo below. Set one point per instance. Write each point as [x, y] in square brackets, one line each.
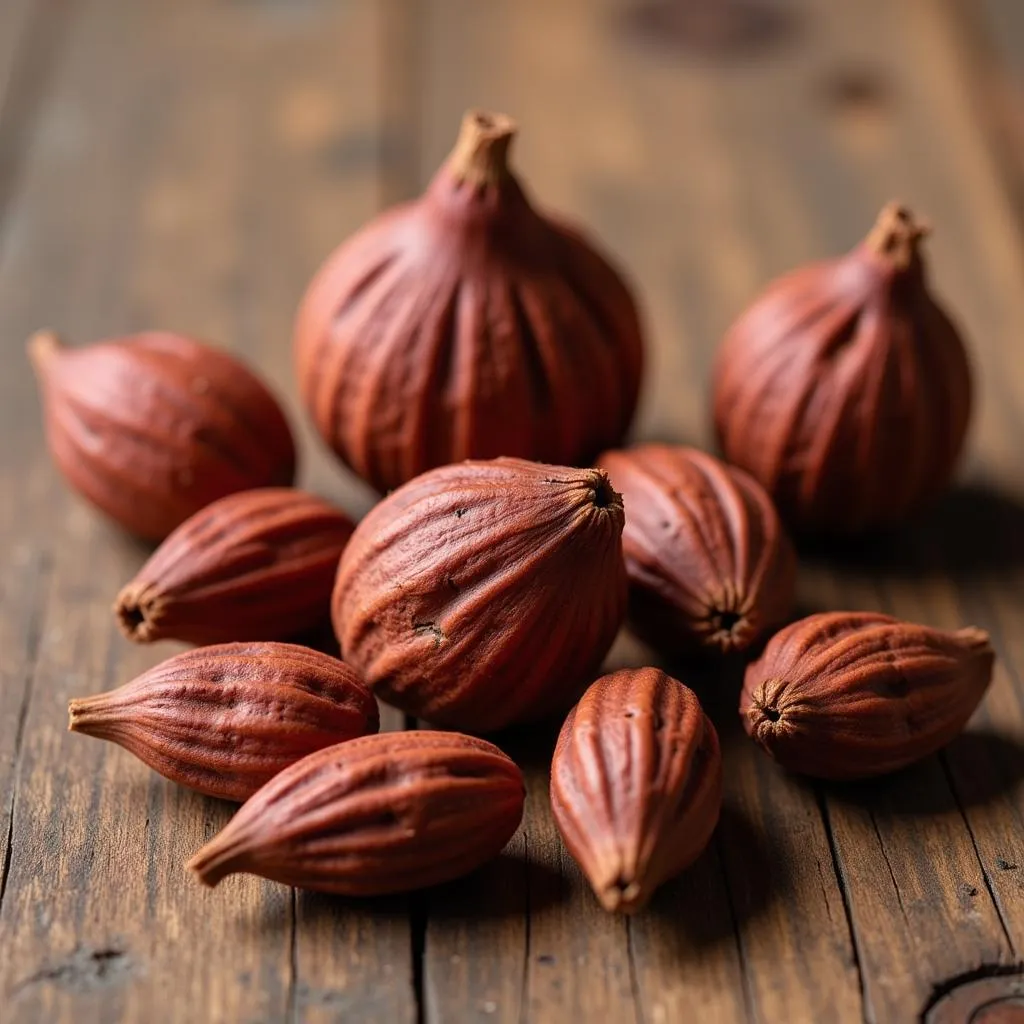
[741, 167]
[619, 122]
[184, 211]
[190, 164]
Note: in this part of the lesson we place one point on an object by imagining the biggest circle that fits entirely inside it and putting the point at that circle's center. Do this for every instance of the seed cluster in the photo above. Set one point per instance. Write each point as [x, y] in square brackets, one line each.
[474, 358]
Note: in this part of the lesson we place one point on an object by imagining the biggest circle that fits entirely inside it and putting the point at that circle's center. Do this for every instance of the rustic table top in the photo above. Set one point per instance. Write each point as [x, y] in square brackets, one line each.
[188, 165]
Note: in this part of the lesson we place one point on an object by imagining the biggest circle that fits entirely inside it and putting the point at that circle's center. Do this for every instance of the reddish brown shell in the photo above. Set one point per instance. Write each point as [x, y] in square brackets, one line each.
[484, 593]
[257, 565]
[845, 389]
[152, 427]
[846, 695]
[636, 784]
[709, 564]
[378, 815]
[226, 719]
[467, 325]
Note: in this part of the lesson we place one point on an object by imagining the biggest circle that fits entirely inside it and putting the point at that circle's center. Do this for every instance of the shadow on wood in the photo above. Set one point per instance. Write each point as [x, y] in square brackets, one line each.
[324, 908]
[701, 903]
[977, 767]
[501, 888]
[508, 886]
[984, 765]
[972, 529]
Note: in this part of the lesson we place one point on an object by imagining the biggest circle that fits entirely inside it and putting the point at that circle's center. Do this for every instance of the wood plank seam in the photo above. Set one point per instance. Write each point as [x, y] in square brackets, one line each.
[968, 20]
[977, 852]
[888, 864]
[36, 58]
[748, 993]
[41, 602]
[990, 622]
[418, 940]
[634, 983]
[418, 915]
[292, 992]
[524, 984]
[844, 893]
[402, 87]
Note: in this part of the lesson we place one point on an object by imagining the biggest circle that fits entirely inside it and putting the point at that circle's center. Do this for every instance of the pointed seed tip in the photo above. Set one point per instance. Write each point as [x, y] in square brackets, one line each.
[975, 636]
[489, 122]
[78, 716]
[480, 155]
[621, 897]
[196, 865]
[41, 346]
[896, 233]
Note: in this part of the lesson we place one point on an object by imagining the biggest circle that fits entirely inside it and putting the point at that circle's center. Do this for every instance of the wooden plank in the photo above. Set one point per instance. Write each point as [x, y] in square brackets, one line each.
[523, 938]
[30, 36]
[25, 585]
[760, 164]
[993, 36]
[907, 849]
[180, 175]
[15, 19]
[763, 164]
[611, 154]
[986, 766]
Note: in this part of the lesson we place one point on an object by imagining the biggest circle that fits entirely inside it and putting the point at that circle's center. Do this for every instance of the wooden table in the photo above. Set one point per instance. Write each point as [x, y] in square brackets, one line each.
[188, 164]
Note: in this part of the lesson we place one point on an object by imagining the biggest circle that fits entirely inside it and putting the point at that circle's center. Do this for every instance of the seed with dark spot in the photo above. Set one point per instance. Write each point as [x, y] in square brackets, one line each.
[430, 629]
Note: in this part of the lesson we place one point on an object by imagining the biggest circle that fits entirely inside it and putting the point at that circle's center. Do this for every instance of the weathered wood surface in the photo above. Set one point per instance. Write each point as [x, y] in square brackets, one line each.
[189, 164]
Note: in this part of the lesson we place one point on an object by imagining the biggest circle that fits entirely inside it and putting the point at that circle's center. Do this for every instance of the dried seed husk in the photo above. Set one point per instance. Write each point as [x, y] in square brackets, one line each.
[468, 324]
[152, 427]
[382, 814]
[636, 784]
[710, 566]
[257, 565]
[845, 389]
[484, 593]
[226, 719]
[848, 695]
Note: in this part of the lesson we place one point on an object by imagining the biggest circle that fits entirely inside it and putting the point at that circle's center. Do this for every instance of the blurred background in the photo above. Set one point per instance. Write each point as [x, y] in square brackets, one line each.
[205, 156]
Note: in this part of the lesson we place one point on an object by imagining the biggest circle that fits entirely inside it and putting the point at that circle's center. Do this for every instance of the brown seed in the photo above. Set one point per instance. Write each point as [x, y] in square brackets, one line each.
[484, 593]
[257, 565]
[468, 324]
[377, 815]
[636, 784]
[709, 564]
[845, 389]
[847, 695]
[225, 719]
[152, 427]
